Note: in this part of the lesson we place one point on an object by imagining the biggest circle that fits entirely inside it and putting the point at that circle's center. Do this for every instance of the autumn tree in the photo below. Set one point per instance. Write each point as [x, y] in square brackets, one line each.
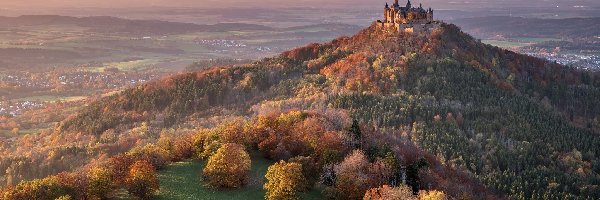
[150, 152]
[351, 176]
[284, 181]
[100, 183]
[141, 180]
[47, 188]
[432, 195]
[310, 169]
[119, 166]
[228, 167]
[386, 192]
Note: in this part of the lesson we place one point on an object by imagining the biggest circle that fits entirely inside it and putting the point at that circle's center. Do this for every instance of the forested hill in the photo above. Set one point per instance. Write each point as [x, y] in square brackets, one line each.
[489, 122]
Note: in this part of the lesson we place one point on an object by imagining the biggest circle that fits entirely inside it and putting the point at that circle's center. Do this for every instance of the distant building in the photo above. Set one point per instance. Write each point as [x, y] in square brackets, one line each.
[407, 18]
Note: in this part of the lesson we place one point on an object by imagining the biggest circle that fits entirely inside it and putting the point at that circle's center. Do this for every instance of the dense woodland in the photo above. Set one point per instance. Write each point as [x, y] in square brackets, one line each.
[378, 115]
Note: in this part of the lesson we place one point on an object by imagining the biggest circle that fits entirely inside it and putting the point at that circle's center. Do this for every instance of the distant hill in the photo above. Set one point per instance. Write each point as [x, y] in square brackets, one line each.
[486, 27]
[118, 25]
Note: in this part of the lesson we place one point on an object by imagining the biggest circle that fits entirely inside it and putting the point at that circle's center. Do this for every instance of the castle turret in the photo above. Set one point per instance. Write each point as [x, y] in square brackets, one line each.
[408, 5]
[386, 13]
[430, 15]
[396, 4]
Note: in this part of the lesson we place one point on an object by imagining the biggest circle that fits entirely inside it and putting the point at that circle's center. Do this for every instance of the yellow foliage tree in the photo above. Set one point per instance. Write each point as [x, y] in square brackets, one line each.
[432, 195]
[228, 167]
[100, 182]
[284, 181]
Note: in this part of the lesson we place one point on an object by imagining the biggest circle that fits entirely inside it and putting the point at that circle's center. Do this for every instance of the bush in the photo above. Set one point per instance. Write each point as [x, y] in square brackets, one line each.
[47, 188]
[228, 167]
[284, 180]
[141, 180]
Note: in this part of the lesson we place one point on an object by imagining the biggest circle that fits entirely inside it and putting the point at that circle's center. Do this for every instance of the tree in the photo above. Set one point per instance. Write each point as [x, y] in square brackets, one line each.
[432, 195]
[100, 183]
[284, 180]
[352, 177]
[356, 133]
[120, 165]
[228, 167]
[388, 193]
[156, 155]
[141, 180]
[310, 170]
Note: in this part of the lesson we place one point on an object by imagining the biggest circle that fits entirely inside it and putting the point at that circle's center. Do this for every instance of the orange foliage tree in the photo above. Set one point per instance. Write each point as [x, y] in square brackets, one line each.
[141, 180]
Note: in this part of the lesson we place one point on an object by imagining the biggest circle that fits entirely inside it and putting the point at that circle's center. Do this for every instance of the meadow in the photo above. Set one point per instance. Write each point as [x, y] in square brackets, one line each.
[183, 180]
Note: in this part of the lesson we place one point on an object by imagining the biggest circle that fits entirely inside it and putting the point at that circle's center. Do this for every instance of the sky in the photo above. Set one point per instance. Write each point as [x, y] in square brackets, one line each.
[39, 4]
[129, 8]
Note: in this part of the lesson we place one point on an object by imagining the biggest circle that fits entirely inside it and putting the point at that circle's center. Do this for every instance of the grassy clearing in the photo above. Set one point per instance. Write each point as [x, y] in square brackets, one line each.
[506, 44]
[50, 98]
[183, 180]
[127, 65]
[534, 40]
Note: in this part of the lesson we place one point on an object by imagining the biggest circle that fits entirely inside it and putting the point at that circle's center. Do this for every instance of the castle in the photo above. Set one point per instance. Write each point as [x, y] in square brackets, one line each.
[407, 18]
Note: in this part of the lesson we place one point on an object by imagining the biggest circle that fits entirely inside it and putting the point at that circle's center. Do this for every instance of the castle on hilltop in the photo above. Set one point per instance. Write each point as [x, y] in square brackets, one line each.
[407, 18]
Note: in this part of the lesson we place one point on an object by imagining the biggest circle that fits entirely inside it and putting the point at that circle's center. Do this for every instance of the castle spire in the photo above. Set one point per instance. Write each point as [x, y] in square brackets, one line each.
[408, 5]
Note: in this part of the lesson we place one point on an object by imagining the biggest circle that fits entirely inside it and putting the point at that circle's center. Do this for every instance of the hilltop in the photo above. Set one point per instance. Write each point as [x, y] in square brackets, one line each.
[486, 121]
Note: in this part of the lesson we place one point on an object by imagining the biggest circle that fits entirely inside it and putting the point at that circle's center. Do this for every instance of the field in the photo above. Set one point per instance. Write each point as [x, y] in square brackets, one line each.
[49, 98]
[506, 44]
[183, 180]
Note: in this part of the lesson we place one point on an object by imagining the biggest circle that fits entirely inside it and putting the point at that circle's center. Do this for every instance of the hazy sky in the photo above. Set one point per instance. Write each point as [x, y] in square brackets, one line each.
[37, 4]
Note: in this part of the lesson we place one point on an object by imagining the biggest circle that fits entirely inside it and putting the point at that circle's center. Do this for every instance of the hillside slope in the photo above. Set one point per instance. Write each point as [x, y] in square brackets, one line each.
[521, 126]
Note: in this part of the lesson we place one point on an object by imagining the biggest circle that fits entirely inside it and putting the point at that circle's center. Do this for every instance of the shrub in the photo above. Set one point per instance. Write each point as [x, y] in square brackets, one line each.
[47, 188]
[228, 167]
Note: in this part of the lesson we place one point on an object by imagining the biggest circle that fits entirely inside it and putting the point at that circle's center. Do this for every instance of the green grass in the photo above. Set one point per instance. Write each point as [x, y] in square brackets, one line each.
[183, 180]
[50, 98]
[534, 40]
[505, 44]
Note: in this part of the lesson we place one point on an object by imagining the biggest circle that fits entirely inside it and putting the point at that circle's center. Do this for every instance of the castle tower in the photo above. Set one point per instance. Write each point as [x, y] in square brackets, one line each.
[386, 13]
[430, 15]
[408, 5]
[396, 4]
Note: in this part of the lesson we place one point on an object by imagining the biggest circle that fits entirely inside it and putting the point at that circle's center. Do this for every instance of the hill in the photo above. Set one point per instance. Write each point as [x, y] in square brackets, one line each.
[487, 27]
[104, 24]
[469, 119]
